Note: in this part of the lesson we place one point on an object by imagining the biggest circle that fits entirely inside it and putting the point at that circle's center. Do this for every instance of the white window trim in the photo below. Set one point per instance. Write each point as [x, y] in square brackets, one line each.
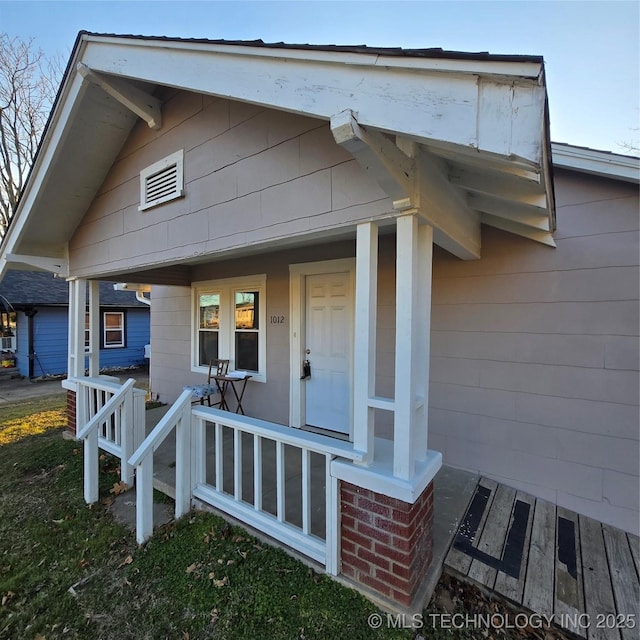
[123, 342]
[176, 159]
[226, 333]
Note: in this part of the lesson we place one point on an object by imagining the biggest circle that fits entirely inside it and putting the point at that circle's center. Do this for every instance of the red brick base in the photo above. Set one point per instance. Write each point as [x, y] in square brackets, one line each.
[71, 411]
[386, 544]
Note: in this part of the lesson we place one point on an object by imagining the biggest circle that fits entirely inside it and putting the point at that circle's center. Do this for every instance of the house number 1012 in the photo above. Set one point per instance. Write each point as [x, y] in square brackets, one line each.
[277, 319]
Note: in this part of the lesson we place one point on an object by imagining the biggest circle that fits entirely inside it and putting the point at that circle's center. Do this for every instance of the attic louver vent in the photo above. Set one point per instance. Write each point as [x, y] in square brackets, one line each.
[162, 181]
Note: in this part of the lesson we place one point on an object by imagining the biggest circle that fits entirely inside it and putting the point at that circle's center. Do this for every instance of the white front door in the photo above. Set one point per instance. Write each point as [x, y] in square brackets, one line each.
[328, 312]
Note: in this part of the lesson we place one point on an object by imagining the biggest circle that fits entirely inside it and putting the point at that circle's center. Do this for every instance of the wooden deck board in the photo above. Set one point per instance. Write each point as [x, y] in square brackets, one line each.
[507, 585]
[626, 588]
[598, 591]
[458, 560]
[493, 536]
[634, 545]
[569, 592]
[538, 588]
[583, 573]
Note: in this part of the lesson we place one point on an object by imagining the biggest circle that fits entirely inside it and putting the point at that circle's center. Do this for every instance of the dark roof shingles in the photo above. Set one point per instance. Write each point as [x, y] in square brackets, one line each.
[40, 288]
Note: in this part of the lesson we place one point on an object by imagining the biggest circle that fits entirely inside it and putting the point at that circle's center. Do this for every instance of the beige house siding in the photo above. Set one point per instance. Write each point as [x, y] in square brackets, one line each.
[534, 356]
[252, 175]
[171, 327]
[534, 350]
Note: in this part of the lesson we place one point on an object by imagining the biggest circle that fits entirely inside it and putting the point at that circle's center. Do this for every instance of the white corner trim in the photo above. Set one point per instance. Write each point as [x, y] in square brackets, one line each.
[379, 476]
[599, 163]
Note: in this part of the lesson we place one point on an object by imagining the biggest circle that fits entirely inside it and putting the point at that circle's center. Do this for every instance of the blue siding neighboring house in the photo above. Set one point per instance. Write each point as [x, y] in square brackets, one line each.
[37, 304]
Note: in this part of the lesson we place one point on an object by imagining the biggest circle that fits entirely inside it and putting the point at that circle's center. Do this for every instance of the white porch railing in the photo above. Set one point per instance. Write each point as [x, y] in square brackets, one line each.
[273, 478]
[178, 417]
[109, 416]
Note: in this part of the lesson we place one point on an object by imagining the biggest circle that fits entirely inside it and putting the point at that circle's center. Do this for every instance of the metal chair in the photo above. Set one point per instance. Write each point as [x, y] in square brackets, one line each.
[200, 392]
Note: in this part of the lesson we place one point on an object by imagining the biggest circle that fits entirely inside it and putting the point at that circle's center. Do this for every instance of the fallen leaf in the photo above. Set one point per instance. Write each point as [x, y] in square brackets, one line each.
[118, 488]
[127, 560]
[243, 554]
[214, 615]
[58, 521]
[102, 457]
[221, 583]
[127, 583]
[7, 596]
[230, 562]
[212, 575]
[191, 568]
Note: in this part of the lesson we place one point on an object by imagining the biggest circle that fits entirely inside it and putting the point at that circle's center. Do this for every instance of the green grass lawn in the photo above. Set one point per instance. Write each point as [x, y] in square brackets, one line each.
[196, 578]
[68, 570]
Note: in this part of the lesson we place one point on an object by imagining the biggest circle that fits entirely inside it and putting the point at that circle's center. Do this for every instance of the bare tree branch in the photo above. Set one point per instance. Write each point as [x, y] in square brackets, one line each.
[28, 85]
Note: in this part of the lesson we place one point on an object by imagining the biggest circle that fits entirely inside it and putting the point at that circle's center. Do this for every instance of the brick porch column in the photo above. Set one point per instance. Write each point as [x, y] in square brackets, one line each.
[71, 411]
[386, 544]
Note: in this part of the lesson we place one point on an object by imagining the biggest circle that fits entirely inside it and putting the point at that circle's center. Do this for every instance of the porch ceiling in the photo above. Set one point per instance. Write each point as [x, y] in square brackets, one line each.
[478, 121]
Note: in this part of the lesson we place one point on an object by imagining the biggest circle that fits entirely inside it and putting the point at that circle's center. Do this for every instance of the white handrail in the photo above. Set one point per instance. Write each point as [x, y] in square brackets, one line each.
[122, 396]
[178, 417]
[161, 430]
[295, 437]
[107, 409]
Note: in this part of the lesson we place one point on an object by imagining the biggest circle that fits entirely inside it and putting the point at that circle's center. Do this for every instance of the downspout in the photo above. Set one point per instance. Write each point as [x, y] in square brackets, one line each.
[140, 298]
[29, 313]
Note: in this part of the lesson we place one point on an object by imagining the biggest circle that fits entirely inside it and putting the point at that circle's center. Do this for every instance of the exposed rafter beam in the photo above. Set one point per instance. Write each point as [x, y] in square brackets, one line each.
[456, 226]
[55, 265]
[412, 180]
[519, 212]
[142, 104]
[525, 231]
[503, 186]
[377, 155]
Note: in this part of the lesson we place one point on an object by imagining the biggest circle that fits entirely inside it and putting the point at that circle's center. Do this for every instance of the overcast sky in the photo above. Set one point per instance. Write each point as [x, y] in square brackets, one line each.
[591, 49]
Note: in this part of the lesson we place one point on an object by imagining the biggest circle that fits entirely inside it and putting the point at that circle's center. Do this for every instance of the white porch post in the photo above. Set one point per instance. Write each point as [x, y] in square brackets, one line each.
[77, 310]
[413, 305]
[423, 338]
[365, 339]
[94, 328]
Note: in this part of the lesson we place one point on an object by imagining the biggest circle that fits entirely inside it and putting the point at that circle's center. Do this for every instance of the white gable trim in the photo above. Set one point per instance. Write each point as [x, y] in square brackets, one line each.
[599, 163]
[444, 105]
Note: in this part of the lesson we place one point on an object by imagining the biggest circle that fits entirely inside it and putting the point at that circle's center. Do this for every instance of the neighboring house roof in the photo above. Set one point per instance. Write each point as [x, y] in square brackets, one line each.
[39, 288]
[472, 128]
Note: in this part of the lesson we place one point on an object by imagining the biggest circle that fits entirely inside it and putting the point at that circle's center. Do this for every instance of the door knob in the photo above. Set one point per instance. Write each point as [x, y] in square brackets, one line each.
[307, 351]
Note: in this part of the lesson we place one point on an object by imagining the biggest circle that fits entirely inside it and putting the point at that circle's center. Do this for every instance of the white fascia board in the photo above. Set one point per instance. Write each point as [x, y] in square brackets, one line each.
[423, 104]
[594, 162]
[61, 119]
[520, 69]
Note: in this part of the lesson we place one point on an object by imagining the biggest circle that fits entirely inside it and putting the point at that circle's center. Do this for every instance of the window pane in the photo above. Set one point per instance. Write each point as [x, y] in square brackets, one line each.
[247, 351]
[210, 311]
[113, 337]
[247, 312]
[208, 350]
[113, 320]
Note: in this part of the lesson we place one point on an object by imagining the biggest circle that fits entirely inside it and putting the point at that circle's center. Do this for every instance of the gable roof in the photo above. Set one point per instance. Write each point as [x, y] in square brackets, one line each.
[481, 119]
[40, 288]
